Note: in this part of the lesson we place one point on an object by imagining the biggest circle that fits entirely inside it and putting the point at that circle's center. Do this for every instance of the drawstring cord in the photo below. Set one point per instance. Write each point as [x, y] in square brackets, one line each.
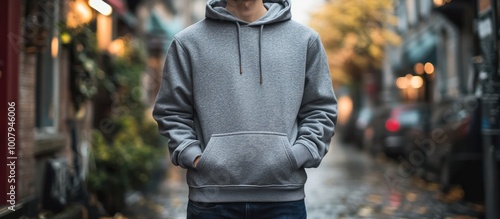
[261, 78]
[260, 53]
[239, 46]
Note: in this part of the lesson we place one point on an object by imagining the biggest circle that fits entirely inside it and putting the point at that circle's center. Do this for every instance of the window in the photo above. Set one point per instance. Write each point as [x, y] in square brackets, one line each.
[47, 71]
[402, 17]
[410, 117]
[411, 7]
[425, 8]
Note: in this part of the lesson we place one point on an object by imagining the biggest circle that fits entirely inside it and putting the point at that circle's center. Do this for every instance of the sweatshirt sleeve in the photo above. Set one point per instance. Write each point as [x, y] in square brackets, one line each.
[174, 110]
[318, 112]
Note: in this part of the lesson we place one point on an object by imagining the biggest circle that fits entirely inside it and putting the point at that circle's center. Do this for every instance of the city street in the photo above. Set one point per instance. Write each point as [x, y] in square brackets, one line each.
[92, 91]
[348, 184]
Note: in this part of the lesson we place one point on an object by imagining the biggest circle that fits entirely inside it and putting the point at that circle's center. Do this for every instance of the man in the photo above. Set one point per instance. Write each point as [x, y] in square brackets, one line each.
[246, 103]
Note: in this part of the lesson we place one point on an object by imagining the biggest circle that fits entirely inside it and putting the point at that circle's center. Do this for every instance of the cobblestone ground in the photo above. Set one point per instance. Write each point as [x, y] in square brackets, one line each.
[348, 184]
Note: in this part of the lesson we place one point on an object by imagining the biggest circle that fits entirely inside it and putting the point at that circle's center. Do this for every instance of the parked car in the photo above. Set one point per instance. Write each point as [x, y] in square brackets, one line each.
[389, 129]
[346, 131]
[453, 144]
[375, 129]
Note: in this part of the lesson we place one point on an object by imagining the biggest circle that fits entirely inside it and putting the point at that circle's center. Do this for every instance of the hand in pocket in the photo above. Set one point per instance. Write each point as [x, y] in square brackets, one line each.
[196, 160]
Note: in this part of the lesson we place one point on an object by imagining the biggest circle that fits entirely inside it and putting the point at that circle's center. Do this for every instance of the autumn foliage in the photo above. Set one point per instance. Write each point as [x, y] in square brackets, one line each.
[354, 33]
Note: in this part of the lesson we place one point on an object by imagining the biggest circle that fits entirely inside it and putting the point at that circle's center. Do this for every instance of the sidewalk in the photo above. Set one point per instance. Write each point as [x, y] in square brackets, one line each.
[348, 184]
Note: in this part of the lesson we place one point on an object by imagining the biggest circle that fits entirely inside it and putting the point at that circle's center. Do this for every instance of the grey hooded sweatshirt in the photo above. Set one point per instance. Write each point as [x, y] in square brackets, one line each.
[254, 100]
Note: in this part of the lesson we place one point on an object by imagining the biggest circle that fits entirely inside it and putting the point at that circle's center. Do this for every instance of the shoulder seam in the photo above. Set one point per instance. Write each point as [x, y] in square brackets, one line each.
[180, 44]
[316, 38]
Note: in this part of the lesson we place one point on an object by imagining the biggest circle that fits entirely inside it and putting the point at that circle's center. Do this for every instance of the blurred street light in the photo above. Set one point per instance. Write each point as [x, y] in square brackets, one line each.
[402, 83]
[417, 82]
[439, 3]
[419, 68]
[117, 47]
[410, 87]
[408, 77]
[409, 81]
[345, 109]
[101, 6]
[79, 14]
[54, 47]
[429, 68]
[104, 31]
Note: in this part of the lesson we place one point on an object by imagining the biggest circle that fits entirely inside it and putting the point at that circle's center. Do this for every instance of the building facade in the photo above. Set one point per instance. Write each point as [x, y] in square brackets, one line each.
[48, 77]
[51, 129]
[436, 59]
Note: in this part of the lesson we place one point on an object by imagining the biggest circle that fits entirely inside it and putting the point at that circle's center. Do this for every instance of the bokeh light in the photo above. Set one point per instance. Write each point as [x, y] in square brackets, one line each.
[101, 7]
[345, 106]
[419, 68]
[416, 82]
[429, 68]
[402, 83]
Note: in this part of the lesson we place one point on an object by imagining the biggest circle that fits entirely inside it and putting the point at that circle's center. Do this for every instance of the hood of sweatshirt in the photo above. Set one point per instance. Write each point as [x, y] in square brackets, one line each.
[277, 11]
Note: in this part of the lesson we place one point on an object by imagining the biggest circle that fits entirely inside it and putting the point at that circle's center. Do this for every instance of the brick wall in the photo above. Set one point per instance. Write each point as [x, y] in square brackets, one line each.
[30, 164]
[26, 124]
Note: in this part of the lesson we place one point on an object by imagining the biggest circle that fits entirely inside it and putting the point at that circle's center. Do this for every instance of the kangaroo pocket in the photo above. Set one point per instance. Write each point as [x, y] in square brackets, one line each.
[247, 158]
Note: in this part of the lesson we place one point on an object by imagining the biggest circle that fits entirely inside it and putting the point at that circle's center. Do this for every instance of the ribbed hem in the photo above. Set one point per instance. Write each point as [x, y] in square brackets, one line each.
[247, 193]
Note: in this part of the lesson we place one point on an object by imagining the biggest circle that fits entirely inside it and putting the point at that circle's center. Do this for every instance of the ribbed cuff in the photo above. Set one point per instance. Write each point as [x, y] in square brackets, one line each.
[302, 154]
[188, 155]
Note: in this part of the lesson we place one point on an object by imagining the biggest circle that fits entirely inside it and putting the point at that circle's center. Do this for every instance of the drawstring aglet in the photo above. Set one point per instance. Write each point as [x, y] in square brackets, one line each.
[241, 70]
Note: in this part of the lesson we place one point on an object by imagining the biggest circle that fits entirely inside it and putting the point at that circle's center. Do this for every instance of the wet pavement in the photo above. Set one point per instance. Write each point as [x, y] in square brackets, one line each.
[348, 184]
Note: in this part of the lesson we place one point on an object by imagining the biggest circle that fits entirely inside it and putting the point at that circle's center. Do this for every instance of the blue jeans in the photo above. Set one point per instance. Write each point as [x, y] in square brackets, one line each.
[247, 210]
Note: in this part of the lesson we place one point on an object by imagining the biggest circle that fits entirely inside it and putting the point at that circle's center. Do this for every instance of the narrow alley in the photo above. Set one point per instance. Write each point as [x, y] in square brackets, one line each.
[92, 91]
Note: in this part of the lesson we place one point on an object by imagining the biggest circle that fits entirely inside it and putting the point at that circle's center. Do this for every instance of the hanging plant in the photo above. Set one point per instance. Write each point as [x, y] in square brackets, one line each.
[82, 44]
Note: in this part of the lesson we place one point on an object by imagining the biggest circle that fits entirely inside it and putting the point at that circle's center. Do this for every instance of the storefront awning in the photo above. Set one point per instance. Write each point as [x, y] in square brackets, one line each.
[421, 49]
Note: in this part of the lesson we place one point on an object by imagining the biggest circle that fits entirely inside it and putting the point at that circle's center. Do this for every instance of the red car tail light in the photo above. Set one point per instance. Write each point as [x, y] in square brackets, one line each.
[392, 125]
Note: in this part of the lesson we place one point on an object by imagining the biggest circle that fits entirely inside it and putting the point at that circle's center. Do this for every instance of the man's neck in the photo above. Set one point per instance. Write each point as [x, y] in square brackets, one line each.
[247, 10]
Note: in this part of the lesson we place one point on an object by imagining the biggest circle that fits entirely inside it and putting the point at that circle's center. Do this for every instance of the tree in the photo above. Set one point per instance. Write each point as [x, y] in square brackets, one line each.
[354, 33]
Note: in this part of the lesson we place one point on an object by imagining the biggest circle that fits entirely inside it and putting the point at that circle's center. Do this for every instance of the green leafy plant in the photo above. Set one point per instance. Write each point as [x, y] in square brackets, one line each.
[82, 45]
[125, 156]
[126, 163]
